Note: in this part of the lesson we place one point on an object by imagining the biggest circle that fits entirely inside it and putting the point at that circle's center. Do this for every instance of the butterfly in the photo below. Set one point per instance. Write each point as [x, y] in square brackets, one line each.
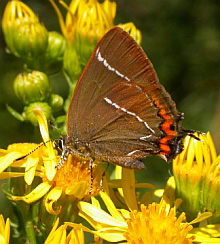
[119, 112]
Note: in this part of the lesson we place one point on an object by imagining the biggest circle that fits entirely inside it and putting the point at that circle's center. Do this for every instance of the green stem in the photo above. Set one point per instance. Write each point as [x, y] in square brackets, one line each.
[29, 227]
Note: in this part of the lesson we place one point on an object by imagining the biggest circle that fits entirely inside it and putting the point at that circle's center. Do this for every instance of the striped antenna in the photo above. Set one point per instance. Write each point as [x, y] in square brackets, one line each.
[40, 145]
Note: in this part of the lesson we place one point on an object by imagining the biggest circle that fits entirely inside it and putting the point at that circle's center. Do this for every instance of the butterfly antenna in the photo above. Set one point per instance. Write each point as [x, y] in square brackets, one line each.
[191, 134]
[54, 127]
[40, 145]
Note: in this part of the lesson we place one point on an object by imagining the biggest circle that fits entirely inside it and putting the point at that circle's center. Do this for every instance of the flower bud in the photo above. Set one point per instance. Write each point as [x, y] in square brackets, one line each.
[30, 41]
[25, 36]
[56, 102]
[56, 47]
[191, 170]
[71, 63]
[32, 87]
[28, 114]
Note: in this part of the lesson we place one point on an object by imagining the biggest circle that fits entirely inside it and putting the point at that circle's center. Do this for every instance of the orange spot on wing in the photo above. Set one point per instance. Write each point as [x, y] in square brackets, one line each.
[170, 134]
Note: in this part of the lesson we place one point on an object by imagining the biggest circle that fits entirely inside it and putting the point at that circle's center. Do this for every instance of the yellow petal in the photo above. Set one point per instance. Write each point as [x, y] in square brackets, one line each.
[92, 222]
[58, 236]
[212, 146]
[4, 230]
[128, 186]
[111, 234]
[204, 240]
[2, 225]
[51, 235]
[125, 213]
[118, 175]
[95, 202]
[78, 190]
[36, 194]
[190, 156]
[7, 231]
[207, 231]
[30, 170]
[50, 165]
[7, 160]
[51, 198]
[201, 217]
[76, 235]
[99, 215]
[159, 193]
[111, 207]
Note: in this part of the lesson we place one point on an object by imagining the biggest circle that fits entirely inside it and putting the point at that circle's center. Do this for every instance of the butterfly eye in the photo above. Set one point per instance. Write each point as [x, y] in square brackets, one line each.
[60, 144]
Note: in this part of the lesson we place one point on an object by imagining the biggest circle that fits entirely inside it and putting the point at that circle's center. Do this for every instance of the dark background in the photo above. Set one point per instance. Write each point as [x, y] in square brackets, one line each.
[181, 38]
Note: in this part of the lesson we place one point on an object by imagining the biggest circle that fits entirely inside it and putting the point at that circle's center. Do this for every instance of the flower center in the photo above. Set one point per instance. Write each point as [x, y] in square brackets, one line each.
[157, 225]
[76, 169]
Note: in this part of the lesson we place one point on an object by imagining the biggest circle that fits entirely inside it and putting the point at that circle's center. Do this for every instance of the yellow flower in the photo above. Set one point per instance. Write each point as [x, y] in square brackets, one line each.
[61, 189]
[72, 181]
[87, 17]
[4, 230]
[86, 23]
[156, 223]
[196, 173]
[32, 157]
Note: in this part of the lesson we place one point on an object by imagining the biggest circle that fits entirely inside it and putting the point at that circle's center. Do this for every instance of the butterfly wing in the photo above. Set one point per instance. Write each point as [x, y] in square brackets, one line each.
[119, 109]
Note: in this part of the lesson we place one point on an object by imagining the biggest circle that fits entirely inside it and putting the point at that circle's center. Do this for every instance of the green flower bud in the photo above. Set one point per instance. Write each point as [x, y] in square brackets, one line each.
[56, 102]
[71, 63]
[28, 114]
[32, 87]
[29, 40]
[25, 36]
[56, 47]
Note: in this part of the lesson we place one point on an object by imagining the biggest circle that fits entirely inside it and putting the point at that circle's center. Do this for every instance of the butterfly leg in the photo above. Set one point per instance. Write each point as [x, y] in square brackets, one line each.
[63, 158]
[91, 176]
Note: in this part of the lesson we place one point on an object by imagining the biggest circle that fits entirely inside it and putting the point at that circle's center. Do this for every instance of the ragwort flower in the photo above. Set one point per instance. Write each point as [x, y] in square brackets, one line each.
[157, 223]
[72, 181]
